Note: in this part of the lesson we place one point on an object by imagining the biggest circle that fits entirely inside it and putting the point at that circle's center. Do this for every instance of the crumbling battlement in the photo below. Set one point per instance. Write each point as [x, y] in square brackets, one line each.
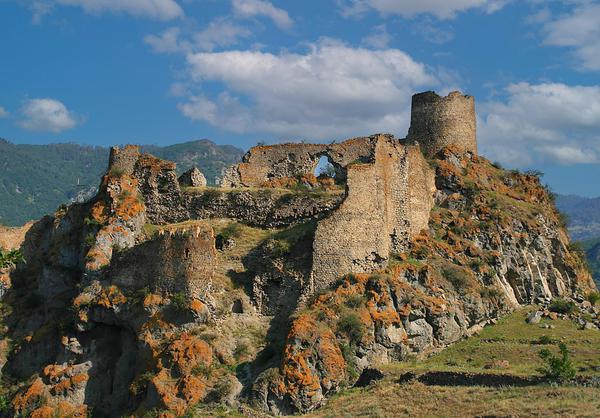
[438, 122]
[123, 160]
[388, 202]
[264, 163]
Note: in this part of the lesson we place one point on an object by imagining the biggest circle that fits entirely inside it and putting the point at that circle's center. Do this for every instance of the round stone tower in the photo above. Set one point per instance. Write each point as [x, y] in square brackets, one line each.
[437, 122]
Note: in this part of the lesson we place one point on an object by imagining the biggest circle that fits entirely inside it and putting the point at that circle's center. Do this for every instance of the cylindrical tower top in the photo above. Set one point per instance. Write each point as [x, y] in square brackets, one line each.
[123, 159]
[438, 122]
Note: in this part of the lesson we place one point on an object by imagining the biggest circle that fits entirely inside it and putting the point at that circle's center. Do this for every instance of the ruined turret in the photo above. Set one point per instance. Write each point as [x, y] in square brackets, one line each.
[438, 122]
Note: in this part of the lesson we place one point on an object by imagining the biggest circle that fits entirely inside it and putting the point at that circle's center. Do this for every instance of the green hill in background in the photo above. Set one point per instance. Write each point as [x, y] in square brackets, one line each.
[583, 215]
[36, 179]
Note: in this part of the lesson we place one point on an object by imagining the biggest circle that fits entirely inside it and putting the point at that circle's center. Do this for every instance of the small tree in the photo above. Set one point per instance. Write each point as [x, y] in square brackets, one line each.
[558, 368]
[10, 258]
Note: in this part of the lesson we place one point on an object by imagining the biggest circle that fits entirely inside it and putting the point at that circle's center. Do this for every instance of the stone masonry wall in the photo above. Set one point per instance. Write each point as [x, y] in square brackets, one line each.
[263, 163]
[438, 122]
[388, 201]
[176, 261]
[123, 159]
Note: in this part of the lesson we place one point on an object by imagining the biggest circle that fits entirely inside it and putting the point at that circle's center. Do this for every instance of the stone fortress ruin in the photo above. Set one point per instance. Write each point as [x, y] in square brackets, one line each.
[177, 294]
[389, 184]
[385, 193]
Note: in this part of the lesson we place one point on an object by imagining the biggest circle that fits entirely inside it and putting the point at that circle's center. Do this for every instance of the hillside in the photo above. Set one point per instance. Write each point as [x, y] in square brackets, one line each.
[36, 179]
[583, 215]
[592, 252]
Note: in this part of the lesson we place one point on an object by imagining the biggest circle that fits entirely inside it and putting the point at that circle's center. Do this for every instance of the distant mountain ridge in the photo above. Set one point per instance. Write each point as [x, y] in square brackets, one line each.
[36, 179]
[583, 215]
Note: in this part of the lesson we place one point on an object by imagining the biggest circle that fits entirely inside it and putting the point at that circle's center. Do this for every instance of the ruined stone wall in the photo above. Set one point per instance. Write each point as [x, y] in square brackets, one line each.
[122, 160]
[438, 122]
[263, 163]
[177, 261]
[388, 201]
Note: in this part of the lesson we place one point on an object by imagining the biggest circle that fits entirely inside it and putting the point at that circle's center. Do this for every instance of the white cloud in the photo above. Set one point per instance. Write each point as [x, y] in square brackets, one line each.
[580, 30]
[253, 8]
[542, 122]
[219, 33]
[379, 38]
[331, 91]
[167, 42]
[47, 115]
[3, 112]
[442, 9]
[153, 9]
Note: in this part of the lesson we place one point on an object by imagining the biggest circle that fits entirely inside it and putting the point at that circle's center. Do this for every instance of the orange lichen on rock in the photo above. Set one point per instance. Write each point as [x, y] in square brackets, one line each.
[33, 395]
[152, 300]
[110, 297]
[192, 389]
[189, 351]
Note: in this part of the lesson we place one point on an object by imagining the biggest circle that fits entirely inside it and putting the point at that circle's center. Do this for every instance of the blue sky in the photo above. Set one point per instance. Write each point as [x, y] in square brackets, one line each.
[109, 72]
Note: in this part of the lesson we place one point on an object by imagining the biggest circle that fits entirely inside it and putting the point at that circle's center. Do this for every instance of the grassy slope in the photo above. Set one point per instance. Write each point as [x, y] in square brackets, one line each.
[36, 179]
[511, 339]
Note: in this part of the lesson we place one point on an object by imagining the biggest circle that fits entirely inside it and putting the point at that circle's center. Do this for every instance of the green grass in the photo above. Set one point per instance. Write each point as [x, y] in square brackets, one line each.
[510, 339]
[514, 340]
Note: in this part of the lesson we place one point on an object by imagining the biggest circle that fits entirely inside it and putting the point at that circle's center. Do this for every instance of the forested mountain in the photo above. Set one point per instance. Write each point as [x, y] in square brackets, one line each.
[36, 179]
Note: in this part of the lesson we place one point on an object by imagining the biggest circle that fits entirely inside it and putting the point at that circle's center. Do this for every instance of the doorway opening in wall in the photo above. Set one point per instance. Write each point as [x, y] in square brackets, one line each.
[325, 168]
[329, 175]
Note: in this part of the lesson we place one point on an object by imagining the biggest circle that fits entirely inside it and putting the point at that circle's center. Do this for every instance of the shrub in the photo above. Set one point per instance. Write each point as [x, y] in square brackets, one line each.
[91, 222]
[456, 276]
[233, 230]
[491, 293]
[562, 306]
[545, 340]
[179, 301]
[280, 248]
[351, 325]
[593, 297]
[354, 301]
[90, 240]
[4, 404]
[558, 368]
[116, 172]
[10, 258]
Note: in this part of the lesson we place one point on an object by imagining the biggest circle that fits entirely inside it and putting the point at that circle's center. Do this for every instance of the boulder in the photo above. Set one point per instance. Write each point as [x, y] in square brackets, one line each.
[534, 317]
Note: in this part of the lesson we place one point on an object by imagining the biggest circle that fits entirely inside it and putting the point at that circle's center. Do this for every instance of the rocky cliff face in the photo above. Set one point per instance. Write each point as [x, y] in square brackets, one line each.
[157, 297]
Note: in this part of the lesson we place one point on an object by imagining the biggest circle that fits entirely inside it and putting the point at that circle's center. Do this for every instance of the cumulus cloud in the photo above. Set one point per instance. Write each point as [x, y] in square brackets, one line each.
[47, 115]
[254, 8]
[332, 90]
[442, 9]
[153, 9]
[3, 112]
[379, 38]
[580, 30]
[219, 33]
[548, 122]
